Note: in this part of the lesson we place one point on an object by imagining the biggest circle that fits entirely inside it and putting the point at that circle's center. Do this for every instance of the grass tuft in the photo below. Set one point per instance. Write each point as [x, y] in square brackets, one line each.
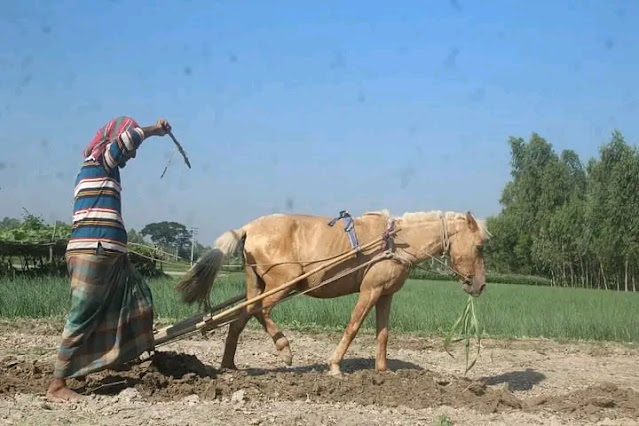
[468, 326]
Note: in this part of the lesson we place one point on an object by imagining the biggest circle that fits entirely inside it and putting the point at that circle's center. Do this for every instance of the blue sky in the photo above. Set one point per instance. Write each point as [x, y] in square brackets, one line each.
[281, 107]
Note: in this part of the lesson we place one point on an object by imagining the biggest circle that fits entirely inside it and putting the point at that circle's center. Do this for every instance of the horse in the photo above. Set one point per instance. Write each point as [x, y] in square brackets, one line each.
[278, 248]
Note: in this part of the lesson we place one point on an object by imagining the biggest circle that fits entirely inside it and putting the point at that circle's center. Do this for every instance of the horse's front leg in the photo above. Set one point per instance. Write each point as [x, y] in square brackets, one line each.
[382, 316]
[367, 299]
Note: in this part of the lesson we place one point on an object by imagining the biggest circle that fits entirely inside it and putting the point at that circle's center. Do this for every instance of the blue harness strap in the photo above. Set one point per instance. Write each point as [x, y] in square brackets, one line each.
[349, 228]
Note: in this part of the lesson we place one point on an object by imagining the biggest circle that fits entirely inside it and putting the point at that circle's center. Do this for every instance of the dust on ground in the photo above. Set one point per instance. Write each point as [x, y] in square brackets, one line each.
[514, 382]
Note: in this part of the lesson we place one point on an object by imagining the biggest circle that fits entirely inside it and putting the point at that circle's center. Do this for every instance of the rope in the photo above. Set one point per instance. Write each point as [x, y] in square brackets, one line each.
[155, 250]
[444, 234]
[286, 262]
[413, 265]
[390, 230]
[387, 254]
[239, 314]
[156, 259]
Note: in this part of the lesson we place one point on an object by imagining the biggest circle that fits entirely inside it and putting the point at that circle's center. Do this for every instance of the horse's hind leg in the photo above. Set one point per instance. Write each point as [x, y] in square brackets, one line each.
[274, 278]
[264, 317]
[237, 326]
[235, 329]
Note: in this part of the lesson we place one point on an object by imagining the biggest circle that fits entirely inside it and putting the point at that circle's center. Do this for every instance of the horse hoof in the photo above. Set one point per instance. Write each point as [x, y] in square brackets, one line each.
[335, 372]
[286, 356]
[229, 367]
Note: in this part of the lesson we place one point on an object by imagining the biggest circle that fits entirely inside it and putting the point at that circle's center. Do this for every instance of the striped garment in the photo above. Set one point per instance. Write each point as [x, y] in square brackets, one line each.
[111, 318]
[97, 218]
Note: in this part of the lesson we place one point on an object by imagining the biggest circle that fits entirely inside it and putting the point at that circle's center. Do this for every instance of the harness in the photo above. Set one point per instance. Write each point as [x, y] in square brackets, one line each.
[388, 243]
[387, 236]
[445, 238]
[349, 228]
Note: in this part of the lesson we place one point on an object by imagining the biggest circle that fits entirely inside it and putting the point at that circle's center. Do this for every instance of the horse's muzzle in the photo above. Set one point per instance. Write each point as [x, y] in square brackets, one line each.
[473, 287]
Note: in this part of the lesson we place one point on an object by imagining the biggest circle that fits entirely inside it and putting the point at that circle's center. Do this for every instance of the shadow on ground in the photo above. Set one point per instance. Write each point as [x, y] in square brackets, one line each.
[516, 380]
[348, 365]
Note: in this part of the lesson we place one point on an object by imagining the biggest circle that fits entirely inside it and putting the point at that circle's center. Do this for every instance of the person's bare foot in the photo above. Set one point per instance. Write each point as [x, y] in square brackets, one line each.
[58, 390]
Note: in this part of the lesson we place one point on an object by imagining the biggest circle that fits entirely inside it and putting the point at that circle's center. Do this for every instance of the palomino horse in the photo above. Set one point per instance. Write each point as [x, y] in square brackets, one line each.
[281, 247]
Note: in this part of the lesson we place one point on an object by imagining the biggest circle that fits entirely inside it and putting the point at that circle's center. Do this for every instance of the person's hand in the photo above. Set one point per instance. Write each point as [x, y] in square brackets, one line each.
[163, 127]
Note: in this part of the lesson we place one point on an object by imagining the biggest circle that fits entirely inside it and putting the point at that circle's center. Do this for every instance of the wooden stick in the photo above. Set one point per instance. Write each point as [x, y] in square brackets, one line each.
[179, 147]
[227, 318]
[190, 324]
[208, 320]
[341, 275]
[294, 281]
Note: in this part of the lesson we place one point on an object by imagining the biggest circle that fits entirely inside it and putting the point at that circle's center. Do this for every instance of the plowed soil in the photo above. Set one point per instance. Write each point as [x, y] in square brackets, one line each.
[515, 382]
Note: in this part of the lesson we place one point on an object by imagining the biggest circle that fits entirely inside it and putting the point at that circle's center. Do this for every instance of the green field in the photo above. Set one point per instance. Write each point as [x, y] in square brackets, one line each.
[423, 307]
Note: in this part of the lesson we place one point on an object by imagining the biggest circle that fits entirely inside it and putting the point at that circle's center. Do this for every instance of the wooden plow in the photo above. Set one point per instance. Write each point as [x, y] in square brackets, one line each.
[221, 314]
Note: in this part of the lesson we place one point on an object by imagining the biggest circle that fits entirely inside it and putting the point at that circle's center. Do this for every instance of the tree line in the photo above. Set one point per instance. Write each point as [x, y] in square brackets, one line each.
[574, 223]
[562, 222]
[169, 236]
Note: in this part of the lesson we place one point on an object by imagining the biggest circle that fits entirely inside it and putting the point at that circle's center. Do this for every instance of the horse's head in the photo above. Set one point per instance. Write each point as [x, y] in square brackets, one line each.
[467, 254]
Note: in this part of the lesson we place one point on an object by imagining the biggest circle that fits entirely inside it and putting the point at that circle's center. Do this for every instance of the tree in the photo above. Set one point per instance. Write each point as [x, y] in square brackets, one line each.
[529, 199]
[500, 255]
[170, 235]
[576, 225]
[9, 223]
[134, 237]
[199, 250]
[613, 209]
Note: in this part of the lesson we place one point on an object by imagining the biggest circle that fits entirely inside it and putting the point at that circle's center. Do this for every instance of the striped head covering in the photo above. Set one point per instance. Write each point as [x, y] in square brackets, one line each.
[108, 133]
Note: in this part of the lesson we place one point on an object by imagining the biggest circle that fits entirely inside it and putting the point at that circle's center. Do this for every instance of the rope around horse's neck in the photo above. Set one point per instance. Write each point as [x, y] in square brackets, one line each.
[411, 264]
[445, 238]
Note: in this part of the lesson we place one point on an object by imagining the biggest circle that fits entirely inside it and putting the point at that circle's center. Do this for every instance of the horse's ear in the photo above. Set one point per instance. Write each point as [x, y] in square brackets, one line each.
[472, 224]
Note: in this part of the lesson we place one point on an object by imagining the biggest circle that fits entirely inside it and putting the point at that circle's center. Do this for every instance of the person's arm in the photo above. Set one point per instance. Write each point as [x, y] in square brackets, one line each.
[160, 128]
[125, 146]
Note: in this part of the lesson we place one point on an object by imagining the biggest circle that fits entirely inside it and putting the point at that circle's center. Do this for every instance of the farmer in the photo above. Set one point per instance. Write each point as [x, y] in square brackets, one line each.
[111, 317]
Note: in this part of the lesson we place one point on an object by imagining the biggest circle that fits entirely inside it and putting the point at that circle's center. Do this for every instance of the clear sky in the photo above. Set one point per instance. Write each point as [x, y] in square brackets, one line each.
[307, 107]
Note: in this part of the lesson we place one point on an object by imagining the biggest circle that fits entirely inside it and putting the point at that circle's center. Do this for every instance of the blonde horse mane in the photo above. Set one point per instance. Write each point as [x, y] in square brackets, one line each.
[433, 215]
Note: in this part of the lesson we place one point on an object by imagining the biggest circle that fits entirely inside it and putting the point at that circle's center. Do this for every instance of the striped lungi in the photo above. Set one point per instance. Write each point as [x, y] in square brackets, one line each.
[111, 317]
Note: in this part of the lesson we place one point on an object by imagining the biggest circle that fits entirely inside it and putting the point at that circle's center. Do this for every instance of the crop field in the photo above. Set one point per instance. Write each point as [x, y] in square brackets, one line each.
[548, 356]
[421, 307]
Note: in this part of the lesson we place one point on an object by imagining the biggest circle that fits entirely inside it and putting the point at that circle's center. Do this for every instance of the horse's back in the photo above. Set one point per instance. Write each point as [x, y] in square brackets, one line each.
[283, 235]
[299, 237]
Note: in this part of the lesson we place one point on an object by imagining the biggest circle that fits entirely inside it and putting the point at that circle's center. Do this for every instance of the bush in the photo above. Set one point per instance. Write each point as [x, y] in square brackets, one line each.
[491, 277]
[496, 277]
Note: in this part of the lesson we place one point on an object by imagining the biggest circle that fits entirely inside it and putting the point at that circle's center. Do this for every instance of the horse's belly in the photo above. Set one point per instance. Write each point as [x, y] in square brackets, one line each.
[328, 291]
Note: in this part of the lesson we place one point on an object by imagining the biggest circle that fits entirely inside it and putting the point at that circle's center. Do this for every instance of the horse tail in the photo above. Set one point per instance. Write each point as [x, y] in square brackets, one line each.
[196, 285]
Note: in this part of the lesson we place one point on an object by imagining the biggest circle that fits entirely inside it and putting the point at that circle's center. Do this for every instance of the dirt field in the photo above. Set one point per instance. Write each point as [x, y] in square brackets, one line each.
[515, 382]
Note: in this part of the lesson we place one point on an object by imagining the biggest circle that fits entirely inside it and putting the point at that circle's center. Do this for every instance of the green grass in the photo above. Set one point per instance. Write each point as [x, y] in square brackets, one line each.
[424, 307]
[443, 420]
[176, 267]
